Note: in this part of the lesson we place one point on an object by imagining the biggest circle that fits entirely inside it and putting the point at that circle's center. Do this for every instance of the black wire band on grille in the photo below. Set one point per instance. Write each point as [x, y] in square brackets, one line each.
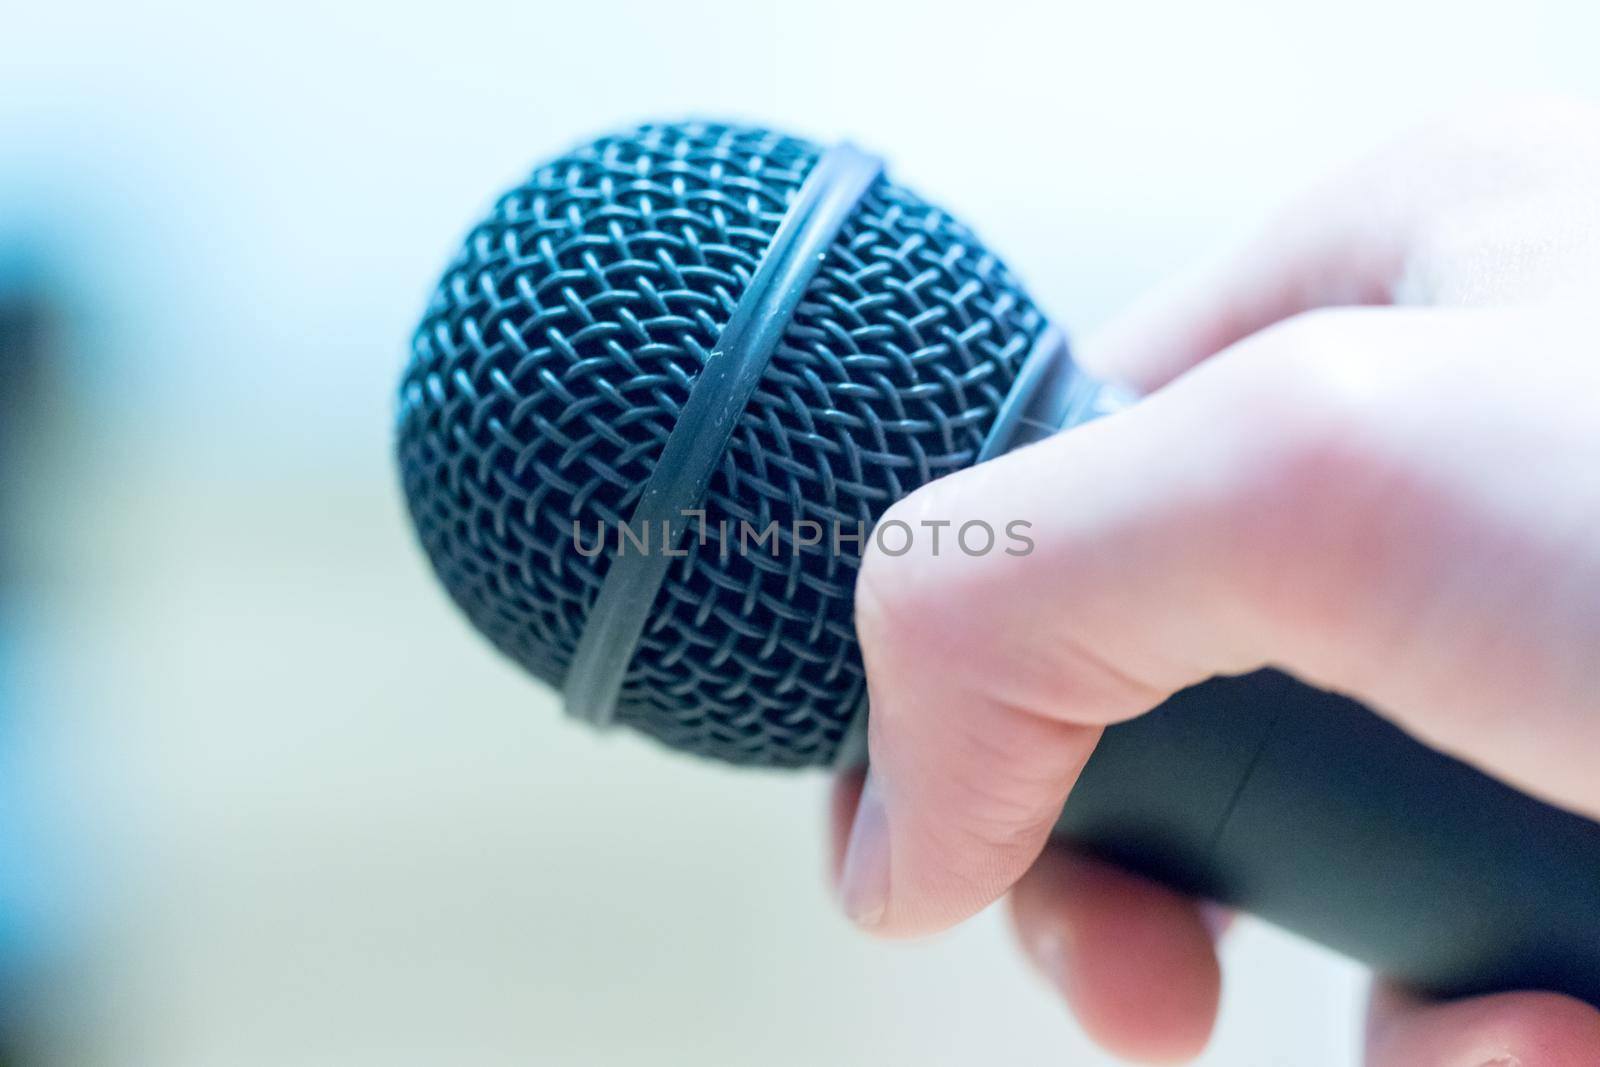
[696, 443]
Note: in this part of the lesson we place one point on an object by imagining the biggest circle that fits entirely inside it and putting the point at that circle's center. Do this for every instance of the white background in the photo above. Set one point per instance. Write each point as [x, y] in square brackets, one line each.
[294, 812]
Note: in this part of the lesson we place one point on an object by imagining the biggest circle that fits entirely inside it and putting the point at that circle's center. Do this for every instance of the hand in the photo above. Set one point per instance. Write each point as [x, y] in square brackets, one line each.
[1370, 455]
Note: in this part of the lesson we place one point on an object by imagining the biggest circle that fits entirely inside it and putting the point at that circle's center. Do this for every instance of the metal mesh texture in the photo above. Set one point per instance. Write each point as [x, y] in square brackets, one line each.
[554, 358]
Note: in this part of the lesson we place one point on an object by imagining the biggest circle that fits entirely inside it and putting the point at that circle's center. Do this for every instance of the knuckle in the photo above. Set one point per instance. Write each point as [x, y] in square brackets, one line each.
[1316, 456]
[978, 851]
[1313, 406]
[1009, 787]
[898, 598]
[1434, 177]
[1526, 141]
[1506, 116]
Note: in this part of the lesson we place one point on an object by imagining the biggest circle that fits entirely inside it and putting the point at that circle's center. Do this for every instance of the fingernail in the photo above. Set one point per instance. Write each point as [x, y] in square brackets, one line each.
[1049, 952]
[864, 881]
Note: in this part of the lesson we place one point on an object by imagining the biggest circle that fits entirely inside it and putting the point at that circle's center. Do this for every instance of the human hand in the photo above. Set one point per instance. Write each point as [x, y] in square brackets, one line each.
[1370, 456]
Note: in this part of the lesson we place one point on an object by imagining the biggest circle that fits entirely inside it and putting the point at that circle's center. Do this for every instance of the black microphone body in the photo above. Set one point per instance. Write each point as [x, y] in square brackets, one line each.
[719, 320]
[1305, 808]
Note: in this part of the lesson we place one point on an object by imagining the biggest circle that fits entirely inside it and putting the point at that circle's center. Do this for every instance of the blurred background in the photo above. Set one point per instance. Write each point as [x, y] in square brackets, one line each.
[264, 798]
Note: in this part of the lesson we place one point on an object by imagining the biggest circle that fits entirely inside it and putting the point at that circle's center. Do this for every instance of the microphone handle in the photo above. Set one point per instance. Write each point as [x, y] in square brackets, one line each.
[1311, 811]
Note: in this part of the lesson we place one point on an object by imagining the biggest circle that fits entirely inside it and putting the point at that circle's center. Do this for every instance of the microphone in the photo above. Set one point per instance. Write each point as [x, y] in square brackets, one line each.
[654, 410]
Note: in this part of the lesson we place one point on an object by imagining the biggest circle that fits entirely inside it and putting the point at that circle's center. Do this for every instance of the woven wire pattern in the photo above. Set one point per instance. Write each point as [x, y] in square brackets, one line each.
[553, 360]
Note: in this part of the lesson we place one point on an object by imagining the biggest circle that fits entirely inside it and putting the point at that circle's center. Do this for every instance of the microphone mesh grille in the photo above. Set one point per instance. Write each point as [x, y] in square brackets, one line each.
[553, 360]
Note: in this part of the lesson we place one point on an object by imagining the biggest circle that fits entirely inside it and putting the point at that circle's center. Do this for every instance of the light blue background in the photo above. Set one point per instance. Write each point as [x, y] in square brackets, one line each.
[313, 820]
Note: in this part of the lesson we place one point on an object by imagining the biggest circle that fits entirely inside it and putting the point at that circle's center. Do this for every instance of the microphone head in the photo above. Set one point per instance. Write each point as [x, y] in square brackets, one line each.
[558, 351]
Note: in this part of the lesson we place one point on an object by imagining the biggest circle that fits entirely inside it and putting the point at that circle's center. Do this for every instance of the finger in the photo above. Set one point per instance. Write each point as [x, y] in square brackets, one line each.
[992, 675]
[1263, 509]
[1134, 961]
[1345, 244]
[1333, 250]
[1508, 1030]
[1476, 208]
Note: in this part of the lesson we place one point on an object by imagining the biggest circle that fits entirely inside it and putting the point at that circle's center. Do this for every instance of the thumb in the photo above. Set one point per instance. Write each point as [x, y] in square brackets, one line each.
[1162, 543]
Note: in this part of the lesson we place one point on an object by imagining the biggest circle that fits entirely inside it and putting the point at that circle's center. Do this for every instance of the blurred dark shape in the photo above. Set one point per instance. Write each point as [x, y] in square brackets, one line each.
[31, 314]
[29, 317]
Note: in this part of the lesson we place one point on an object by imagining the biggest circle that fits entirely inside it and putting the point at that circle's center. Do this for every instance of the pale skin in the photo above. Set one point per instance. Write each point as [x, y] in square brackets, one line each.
[1369, 455]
